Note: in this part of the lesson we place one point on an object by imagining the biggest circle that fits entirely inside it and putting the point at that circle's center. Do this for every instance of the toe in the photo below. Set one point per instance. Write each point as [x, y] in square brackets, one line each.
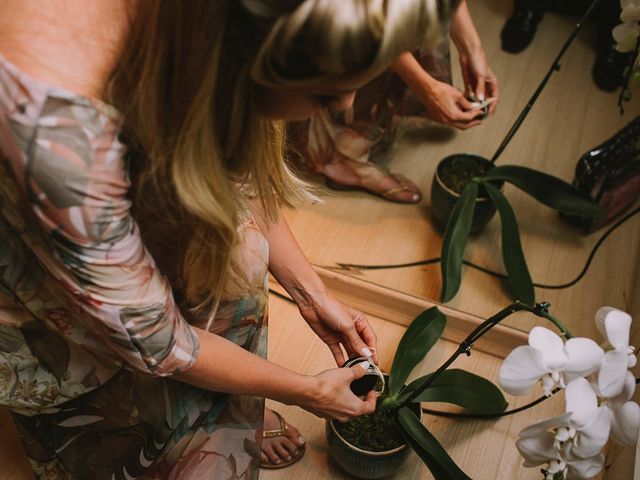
[271, 454]
[282, 452]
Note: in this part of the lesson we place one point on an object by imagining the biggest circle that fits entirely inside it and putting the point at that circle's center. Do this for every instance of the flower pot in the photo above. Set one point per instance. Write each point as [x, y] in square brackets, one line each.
[452, 174]
[363, 463]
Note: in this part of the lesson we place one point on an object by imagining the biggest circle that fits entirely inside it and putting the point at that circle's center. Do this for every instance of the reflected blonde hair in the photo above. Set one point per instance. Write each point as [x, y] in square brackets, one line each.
[186, 82]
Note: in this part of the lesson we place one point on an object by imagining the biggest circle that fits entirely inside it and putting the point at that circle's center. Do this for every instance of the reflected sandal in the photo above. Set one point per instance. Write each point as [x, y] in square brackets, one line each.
[385, 194]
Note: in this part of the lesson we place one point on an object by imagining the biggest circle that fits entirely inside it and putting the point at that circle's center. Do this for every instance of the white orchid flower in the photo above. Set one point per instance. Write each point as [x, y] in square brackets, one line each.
[548, 359]
[630, 10]
[570, 444]
[614, 325]
[626, 34]
[542, 448]
[625, 414]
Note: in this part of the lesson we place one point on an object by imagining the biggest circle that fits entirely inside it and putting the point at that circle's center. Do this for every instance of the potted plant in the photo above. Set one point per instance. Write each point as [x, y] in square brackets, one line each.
[375, 445]
[466, 192]
[473, 200]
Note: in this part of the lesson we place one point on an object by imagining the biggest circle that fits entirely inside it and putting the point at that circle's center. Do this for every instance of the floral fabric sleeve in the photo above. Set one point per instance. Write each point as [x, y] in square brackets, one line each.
[67, 169]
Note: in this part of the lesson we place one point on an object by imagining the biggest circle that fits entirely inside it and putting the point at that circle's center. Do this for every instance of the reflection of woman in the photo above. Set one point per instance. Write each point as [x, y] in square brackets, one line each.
[135, 348]
[340, 145]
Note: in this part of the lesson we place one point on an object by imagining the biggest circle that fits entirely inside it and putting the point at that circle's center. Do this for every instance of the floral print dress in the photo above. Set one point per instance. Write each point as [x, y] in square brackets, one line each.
[367, 131]
[90, 333]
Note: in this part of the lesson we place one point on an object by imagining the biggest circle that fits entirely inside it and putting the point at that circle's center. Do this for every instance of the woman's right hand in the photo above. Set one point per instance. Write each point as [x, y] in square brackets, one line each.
[447, 105]
[332, 398]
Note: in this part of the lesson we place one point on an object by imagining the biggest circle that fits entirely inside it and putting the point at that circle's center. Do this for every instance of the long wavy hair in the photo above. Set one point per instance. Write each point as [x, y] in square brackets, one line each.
[185, 83]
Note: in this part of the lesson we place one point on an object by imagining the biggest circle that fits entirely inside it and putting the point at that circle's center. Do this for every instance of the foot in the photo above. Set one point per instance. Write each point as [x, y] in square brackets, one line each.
[353, 175]
[283, 448]
[608, 68]
[519, 30]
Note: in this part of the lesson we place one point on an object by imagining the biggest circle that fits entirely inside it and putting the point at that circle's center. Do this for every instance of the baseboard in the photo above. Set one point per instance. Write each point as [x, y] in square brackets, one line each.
[401, 308]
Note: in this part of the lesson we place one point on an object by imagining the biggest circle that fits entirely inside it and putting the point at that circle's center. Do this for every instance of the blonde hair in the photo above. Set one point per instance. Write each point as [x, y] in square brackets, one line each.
[185, 83]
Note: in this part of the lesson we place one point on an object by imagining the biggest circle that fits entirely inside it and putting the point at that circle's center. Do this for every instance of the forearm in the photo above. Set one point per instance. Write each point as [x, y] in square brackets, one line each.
[463, 32]
[287, 262]
[223, 366]
[411, 72]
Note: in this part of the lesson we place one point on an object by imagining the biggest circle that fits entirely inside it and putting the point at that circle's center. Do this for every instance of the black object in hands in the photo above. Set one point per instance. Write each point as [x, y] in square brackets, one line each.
[365, 384]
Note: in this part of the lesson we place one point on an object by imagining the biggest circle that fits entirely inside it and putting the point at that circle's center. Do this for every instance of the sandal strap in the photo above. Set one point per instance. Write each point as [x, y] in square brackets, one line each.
[280, 432]
[403, 187]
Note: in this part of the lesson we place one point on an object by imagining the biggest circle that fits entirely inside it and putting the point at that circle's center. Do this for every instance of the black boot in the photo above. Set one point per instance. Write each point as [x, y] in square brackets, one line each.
[520, 28]
[610, 64]
[610, 175]
[608, 69]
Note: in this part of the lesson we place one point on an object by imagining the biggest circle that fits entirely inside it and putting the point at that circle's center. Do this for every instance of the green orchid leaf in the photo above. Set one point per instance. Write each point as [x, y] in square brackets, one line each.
[519, 277]
[549, 190]
[455, 238]
[418, 339]
[467, 390]
[427, 447]
[409, 389]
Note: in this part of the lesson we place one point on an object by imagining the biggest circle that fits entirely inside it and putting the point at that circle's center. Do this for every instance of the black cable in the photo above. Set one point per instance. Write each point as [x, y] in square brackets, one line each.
[431, 261]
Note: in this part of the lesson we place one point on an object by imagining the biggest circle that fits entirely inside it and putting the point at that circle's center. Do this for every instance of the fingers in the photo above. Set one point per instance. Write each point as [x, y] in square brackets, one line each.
[359, 369]
[355, 343]
[367, 334]
[494, 92]
[337, 353]
[369, 404]
[480, 89]
[464, 104]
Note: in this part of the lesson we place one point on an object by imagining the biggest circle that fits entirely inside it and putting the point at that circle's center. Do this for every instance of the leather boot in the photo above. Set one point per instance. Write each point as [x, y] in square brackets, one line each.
[520, 29]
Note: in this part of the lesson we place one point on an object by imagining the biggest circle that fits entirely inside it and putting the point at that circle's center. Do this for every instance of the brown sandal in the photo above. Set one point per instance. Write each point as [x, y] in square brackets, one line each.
[390, 194]
[281, 432]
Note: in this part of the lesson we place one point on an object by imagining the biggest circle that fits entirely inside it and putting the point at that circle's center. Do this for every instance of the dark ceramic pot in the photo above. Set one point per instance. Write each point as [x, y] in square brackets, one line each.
[362, 463]
[443, 198]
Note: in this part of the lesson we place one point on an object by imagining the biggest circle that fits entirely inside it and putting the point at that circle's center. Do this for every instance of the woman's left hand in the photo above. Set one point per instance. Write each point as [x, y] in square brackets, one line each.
[339, 326]
[478, 77]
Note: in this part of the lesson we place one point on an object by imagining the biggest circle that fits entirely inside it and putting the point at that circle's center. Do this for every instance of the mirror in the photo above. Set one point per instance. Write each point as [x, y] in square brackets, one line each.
[571, 116]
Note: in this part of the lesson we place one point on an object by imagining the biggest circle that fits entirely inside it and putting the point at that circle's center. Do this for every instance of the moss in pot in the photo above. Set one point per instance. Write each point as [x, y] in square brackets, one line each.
[370, 446]
[451, 177]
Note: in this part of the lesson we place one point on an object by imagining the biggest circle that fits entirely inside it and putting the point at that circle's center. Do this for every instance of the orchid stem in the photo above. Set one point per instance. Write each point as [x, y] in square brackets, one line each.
[539, 309]
[560, 326]
[555, 66]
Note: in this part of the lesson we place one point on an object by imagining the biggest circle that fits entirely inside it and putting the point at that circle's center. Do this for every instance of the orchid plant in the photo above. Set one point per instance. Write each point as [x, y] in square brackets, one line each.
[598, 390]
[597, 383]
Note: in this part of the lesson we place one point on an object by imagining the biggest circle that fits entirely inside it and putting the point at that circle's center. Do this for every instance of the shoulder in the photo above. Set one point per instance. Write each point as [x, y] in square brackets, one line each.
[71, 44]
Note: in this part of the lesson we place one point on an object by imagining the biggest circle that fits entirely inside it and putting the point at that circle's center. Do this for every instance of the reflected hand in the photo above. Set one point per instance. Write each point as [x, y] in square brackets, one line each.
[339, 326]
[479, 78]
[448, 105]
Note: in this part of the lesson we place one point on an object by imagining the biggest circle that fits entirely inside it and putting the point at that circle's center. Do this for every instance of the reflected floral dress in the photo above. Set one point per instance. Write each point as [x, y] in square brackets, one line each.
[367, 130]
[90, 333]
